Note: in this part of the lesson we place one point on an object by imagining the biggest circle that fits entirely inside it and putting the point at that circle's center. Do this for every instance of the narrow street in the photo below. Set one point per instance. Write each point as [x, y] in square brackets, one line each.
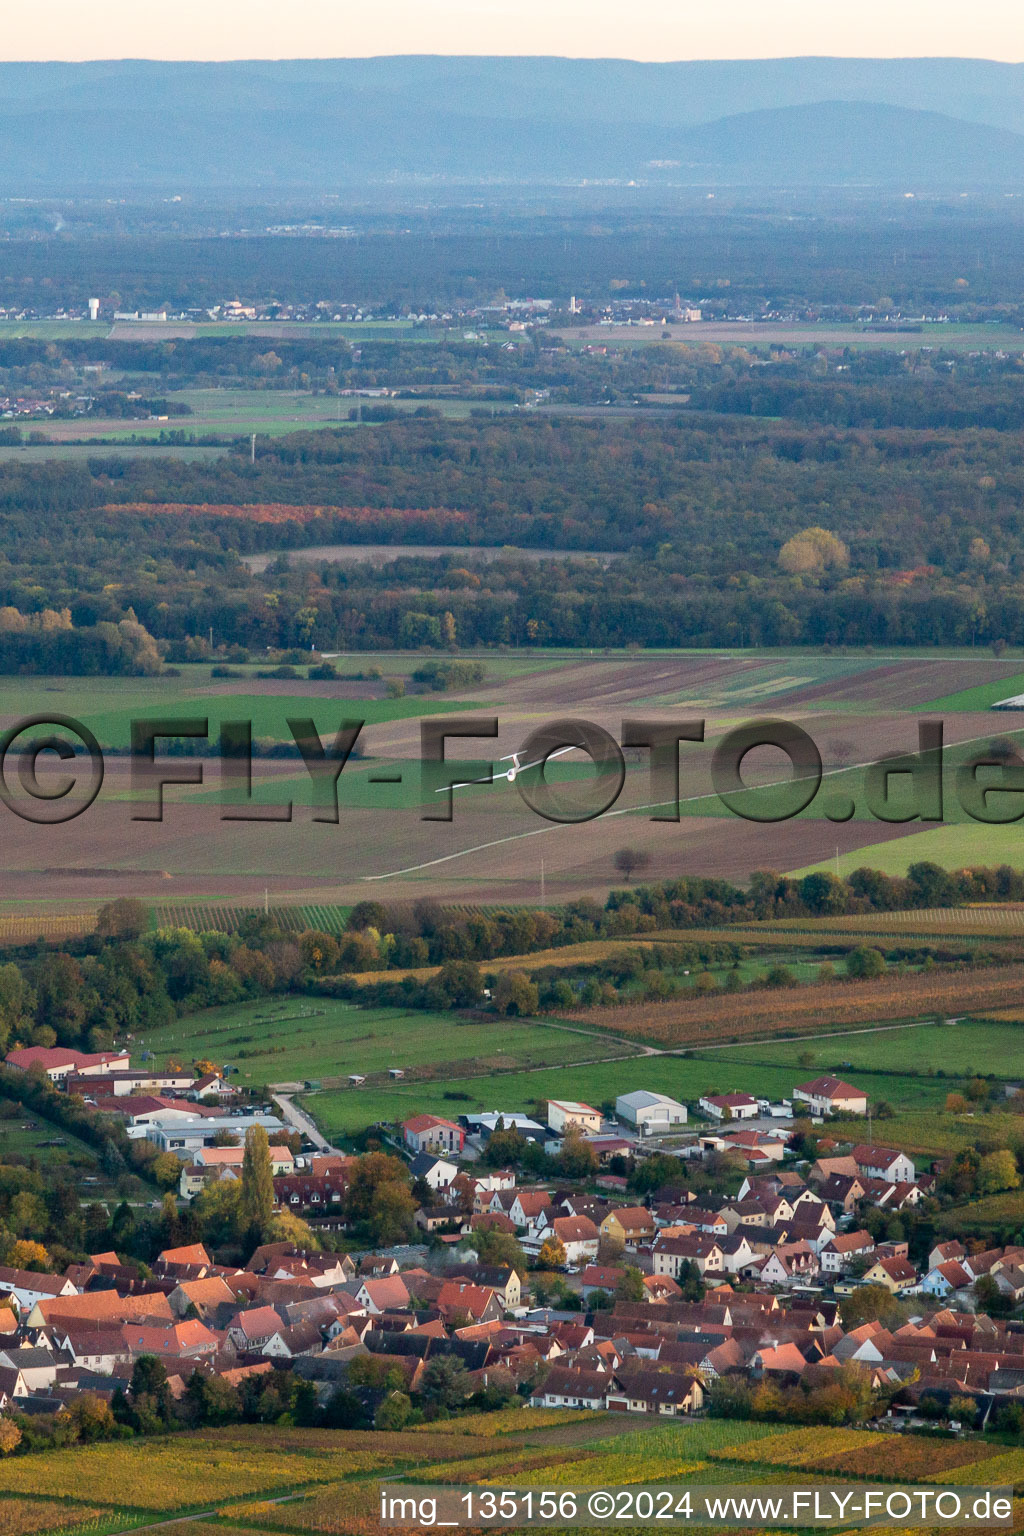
[300, 1121]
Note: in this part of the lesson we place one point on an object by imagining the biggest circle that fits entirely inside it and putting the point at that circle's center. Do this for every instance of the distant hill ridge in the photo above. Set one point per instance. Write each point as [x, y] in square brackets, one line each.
[347, 122]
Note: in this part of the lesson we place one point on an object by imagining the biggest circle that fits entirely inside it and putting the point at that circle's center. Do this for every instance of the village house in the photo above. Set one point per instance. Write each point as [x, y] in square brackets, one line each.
[600, 1277]
[432, 1133]
[760, 1150]
[57, 1062]
[383, 1294]
[668, 1394]
[628, 1225]
[729, 1106]
[504, 1282]
[567, 1388]
[830, 1096]
[436, 1171]
[897, 1275]
[841, 1250]
[947, 1250]
[788, 1264]
[578, 1236]
[27, 1287]
[253, 1328]
[887, 1163]
[529, 1208]
[127, 1084]
[946, 1279]
[671, 1254]
[566, 1113]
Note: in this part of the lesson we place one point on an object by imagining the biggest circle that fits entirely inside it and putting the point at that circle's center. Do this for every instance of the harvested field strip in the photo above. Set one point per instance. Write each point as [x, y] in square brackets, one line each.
[592, 952]
[989, 917]
[613, 1469]
[510, 1420]
[23, 928]
[990, 1472]
[795, 1448]
[902, 1459]
[340, 1509]
[816, 1009]
[34, 1517]
[896, 1458]
[176, 1475]
[817, 936]
[476, 1469]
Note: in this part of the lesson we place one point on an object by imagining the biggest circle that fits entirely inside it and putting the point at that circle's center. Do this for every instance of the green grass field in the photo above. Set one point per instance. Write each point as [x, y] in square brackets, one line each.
[276, 411]
[82, 452]
[983, 697]
[109, 705]
[954, 846]
[283, 1041]
[801, 333]
[899, 1066]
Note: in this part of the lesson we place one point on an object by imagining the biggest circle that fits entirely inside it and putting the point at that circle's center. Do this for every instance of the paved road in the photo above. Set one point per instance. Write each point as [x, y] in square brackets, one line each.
[301, 1122]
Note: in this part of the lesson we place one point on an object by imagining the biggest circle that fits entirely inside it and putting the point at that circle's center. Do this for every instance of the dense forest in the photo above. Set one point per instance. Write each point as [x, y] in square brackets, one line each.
[927, 528]
[730, 496]
[806, 251]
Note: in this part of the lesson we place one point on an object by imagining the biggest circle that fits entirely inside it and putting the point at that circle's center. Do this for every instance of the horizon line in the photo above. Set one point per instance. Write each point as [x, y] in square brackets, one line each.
[333, 58]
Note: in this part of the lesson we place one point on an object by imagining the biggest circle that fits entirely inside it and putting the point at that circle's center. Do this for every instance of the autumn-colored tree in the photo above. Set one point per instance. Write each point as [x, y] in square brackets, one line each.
[577, 1159]
[26, 1254]
[812, 552]
[873, 1303]
[514, 992]
[501, 1248]
[166, 1170]
[27, 1215]
[552, 1254]
[319, 951]
[998, 1171]
[92, 1418]
[10, 1436]
[285, 1227]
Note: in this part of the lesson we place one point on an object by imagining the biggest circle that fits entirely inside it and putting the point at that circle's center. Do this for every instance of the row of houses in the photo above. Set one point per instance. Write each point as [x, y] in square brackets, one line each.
[641, 1111]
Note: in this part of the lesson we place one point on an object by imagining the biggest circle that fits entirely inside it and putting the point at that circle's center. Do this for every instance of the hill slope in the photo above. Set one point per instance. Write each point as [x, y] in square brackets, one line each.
[350, 122]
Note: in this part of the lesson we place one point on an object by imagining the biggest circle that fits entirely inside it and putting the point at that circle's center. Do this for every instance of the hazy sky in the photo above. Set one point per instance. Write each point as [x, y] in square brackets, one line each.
[644, 29]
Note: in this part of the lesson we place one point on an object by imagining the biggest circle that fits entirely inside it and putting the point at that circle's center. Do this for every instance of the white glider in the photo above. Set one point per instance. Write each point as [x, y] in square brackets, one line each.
[510, 774]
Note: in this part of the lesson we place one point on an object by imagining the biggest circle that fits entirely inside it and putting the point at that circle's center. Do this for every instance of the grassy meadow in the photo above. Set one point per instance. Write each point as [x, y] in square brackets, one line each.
[279, 1041]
